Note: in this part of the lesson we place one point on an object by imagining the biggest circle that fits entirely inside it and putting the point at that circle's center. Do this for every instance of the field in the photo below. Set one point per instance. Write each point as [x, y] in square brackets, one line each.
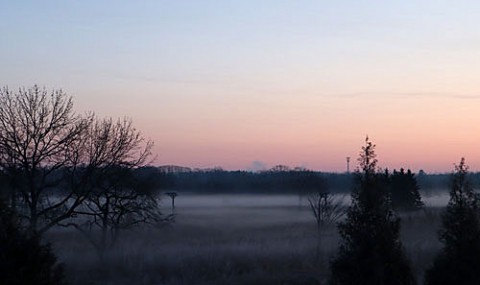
[232, 239]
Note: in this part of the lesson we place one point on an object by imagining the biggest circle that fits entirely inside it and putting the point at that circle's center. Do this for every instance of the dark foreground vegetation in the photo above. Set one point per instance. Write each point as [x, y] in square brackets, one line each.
[23, 258]
[80, 188]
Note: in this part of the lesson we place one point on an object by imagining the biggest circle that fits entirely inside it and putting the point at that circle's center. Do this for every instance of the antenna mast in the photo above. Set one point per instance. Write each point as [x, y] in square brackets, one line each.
[348, 164]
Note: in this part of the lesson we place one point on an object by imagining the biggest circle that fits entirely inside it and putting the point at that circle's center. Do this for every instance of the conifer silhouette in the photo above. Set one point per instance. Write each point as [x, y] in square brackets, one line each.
[404, 190]
[370, 252]
[459, 261]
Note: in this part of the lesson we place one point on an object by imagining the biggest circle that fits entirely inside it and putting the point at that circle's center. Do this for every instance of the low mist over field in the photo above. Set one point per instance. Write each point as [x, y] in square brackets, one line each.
[234, 239]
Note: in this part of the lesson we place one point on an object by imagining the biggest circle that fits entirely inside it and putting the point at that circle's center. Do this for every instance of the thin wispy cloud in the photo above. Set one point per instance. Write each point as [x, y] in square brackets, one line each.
[407, 95]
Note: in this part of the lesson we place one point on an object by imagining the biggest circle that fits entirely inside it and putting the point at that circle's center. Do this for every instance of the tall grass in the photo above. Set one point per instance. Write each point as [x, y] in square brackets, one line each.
[231, 245]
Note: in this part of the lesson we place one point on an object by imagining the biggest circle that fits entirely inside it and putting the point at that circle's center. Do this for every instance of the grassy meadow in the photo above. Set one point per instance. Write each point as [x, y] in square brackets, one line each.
[230, 239]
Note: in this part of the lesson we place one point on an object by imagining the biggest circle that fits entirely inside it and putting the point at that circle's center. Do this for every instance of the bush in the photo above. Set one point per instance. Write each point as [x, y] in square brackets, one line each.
[23, 259]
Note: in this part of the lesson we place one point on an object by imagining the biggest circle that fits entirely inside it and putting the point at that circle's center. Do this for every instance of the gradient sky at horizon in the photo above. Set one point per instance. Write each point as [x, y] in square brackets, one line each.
[241, 84]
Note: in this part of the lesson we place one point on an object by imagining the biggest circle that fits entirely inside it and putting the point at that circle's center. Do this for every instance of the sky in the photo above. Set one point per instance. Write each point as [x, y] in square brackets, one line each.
[251, 84]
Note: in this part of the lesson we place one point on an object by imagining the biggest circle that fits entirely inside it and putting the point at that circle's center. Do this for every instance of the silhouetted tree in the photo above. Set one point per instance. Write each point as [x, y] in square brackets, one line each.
[37, 129]
[23, 259]
[458, 262]
[118, 202]
[115, 198]
[326, 208]
[404, 190]
[370, 251]
[280, 168]
[58, 165]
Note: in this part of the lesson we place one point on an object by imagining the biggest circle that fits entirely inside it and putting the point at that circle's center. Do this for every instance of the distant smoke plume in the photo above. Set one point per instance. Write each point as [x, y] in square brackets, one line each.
[257, 166]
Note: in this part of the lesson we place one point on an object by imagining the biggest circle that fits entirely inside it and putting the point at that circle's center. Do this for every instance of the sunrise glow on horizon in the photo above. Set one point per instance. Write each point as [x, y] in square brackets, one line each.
[251, 84]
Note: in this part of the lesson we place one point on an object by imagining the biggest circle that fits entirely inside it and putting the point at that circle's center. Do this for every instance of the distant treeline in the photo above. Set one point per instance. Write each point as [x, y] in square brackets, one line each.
[277, 180]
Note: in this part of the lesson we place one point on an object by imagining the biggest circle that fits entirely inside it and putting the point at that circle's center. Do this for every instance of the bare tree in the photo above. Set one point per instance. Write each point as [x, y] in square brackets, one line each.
[60, 165]
[280, 168]
[116, 200]
[326, 208]
[37, 127]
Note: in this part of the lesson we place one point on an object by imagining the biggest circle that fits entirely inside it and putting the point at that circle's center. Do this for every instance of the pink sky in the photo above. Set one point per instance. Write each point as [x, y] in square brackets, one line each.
[418, 131]
[222, 83]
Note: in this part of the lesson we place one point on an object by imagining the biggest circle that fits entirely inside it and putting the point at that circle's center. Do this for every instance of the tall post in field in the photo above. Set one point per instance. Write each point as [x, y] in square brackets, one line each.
[348, 164]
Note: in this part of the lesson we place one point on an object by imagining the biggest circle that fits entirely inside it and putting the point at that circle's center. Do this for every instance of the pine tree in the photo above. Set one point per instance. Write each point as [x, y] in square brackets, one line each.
[370, 252]
[404, 190]
[458, 262]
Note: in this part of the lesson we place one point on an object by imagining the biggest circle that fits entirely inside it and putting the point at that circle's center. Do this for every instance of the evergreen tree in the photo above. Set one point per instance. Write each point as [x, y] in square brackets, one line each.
[458, 262]
[404, 190]
[370, 252]
[23, 259]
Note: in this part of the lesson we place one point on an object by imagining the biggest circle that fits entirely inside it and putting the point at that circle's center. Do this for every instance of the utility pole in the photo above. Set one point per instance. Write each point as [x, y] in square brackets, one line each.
[348, 164]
